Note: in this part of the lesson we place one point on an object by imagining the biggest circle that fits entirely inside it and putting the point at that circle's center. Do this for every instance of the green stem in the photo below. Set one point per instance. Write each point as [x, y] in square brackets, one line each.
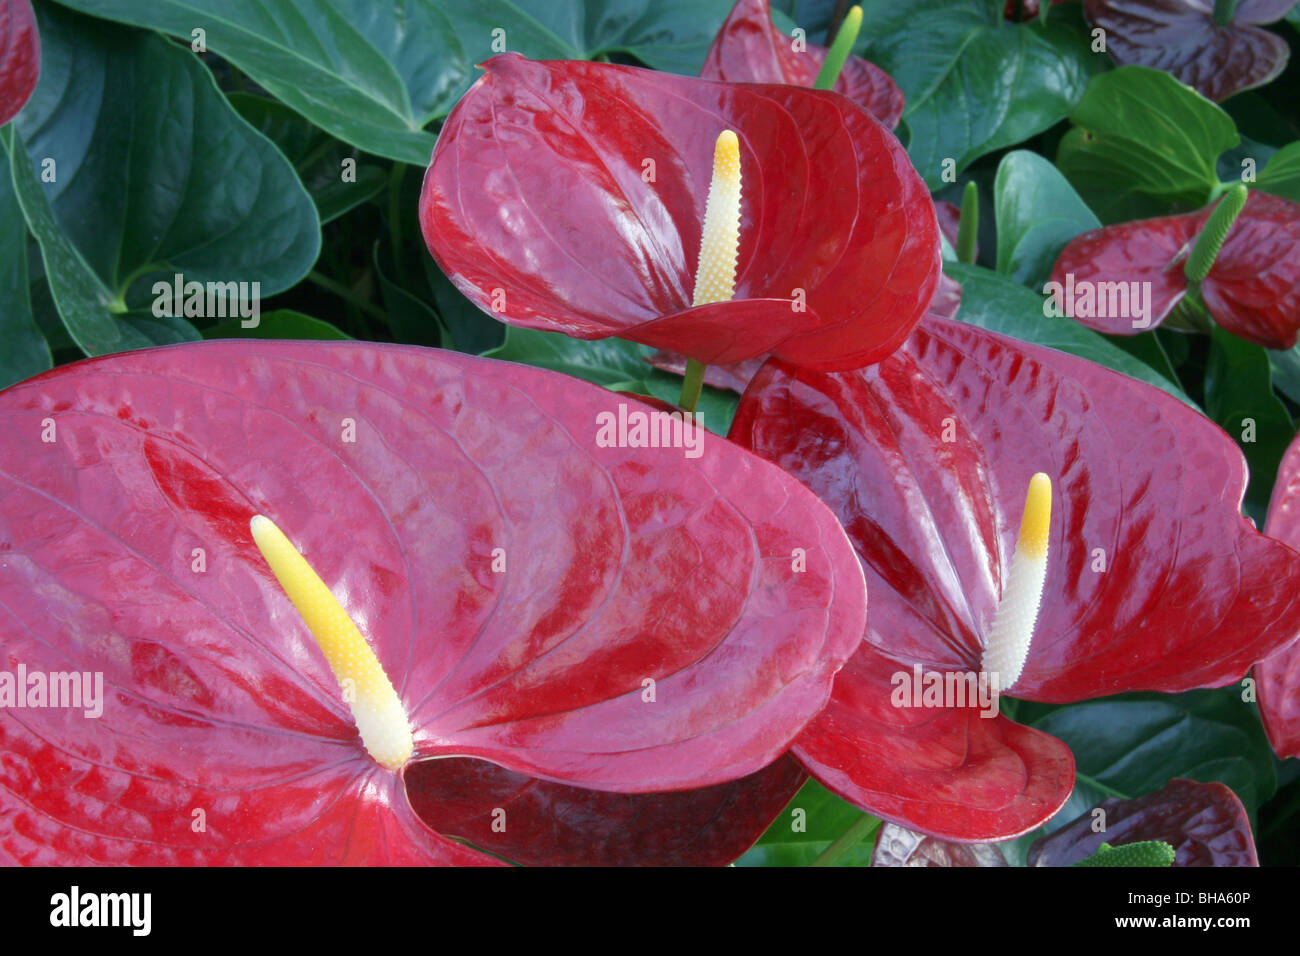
[847, 840]
[692, 385]
[968, 231]
[840, 49]
[346, 294]
[1215, 231]
[1223, 11]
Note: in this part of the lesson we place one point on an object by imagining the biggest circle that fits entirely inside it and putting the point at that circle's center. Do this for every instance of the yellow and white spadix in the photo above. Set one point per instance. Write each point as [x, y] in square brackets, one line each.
[376, 708]
[1013, 622]
[715, 278]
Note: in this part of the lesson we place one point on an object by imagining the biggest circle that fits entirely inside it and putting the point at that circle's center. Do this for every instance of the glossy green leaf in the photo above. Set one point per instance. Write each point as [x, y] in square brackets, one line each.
[1286, 371]
[25, 352]
[82, 300]
[1281, 175]
[1143, 142]
[150, 174]
[375, 73]
[993, 301]
[336, 178]
[278, 324]
[974, 82]
[1134, 744]
[1239, 396]
[1038, 212]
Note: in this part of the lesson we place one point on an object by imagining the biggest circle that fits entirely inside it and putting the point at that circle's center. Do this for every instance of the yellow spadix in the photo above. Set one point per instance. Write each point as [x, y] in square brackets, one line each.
[376, 708]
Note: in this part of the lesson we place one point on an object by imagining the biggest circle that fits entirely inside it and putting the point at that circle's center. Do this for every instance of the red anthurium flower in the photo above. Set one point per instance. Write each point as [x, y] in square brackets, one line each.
[571, 197]
[1127, 278]
[208, 542]
[1153, 580]
[1205, 823]
[1183, 38]
[20, 56]
[1279, 676]
[750, 49]
[537, 822]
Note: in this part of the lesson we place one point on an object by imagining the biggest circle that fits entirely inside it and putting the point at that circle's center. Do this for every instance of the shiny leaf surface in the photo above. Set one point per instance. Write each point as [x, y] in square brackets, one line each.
[973, 82]
[1142, 142]
[843, 217]
[375, 73]
[646, 631]
[176, 183]
[1037, 214]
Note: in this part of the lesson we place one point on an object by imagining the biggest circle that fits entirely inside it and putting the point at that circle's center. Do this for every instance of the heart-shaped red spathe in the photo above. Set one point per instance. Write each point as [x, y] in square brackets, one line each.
[750, 49]
[570, 196]
[1181, 38]
[645, 629]
[20, 56]
[536, 822]
[1278, 677]
[1253, 290]
[1154, 580]
[1205, 823]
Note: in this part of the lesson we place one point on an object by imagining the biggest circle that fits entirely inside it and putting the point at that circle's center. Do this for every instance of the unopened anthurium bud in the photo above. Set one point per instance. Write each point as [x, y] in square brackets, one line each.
[1147, 853]
[715, 278]
[376, 708]
[1013, 623]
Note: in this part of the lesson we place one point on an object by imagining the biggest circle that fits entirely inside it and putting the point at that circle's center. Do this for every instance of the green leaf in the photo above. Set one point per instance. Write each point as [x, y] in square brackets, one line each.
[994, 302]
[1134, 744]
[1037, 214]
[1239, 396]
[80, 297]
[974, 82]
[410, 319]
[25, 352]
[1286, 371]
[1143, 142]
[1281, 175]
[806, 827]
[318, 158]
[277, 324]
[671, 35]
[375, 73]
[153, 175]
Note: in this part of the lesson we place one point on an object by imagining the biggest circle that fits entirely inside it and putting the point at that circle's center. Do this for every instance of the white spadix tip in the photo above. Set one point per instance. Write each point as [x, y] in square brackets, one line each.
[1007, 648]
[715, 278]
[376, 708]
